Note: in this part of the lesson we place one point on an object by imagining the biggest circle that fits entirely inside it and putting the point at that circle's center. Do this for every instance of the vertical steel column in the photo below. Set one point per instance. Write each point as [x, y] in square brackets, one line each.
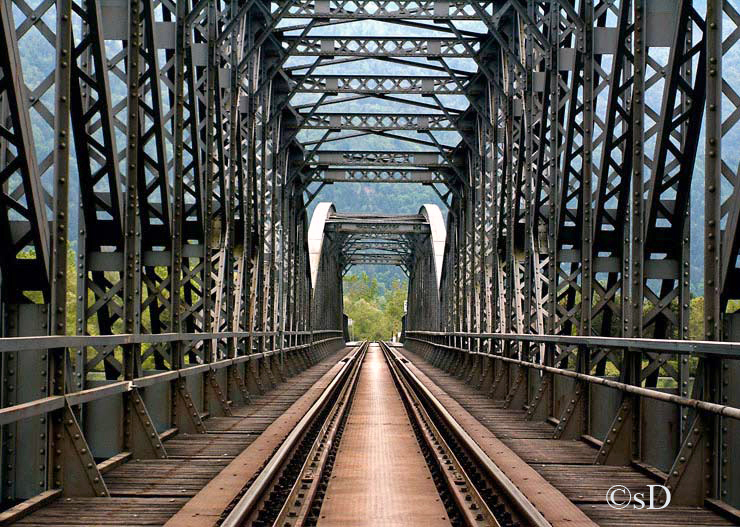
[132, 232]
[717, 248]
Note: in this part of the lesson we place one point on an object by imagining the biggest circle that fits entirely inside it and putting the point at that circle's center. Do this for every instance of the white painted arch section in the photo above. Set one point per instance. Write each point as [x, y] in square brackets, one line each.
[316, 237]
[439, 236]
[324, 209]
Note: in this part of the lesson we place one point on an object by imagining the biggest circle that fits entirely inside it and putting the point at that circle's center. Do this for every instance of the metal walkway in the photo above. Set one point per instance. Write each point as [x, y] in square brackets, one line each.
[375, 435]
[150, 492]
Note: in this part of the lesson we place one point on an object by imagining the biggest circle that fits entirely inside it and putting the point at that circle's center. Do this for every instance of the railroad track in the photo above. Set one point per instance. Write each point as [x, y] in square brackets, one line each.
[290, 489]
[475, 491]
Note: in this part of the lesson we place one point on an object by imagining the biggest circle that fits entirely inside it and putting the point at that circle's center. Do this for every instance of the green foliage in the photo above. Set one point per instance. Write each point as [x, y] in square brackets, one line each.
[696, 318]
[375, 310]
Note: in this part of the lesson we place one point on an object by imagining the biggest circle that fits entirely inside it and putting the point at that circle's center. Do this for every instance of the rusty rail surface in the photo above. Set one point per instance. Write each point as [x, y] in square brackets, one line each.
[289, 490]
[503, 500]
[335, 399]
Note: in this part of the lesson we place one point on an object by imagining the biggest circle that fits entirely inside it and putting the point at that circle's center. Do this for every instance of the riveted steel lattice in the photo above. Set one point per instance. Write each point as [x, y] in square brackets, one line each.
[571, 142]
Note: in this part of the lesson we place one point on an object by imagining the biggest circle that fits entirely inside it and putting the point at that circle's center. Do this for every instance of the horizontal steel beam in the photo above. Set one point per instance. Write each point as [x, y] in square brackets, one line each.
[379, 235]
[355, 246]
[381, 84]
[704, 348]
[378, 158]
[375, 259]
[388, 243]
[364, 121]
[343, 227]
[381, 47]
[40, 343]
[369, 175]
[381, 9]
[45, 405]
[718, 409]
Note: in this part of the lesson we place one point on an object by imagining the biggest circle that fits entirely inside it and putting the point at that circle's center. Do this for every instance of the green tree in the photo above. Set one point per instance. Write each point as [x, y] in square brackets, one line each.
[375, 310]
[395, 298]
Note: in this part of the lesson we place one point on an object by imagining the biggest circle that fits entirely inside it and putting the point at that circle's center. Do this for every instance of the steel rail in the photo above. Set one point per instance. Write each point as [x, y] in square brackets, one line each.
[516, 498]
[470, 504]
[297, 507]
[251, 499]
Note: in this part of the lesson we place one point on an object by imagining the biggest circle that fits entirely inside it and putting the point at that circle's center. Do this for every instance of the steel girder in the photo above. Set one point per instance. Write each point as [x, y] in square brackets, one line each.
[381, 47]
[568, 196]
[405, 9]
[23, 213]
[187, 220]
[378, 175]
[29, 283]
[722, 237]
[349, 121]
[378, 158]
[376, 85]
[590, 130]
[398, 240]
[359, 224]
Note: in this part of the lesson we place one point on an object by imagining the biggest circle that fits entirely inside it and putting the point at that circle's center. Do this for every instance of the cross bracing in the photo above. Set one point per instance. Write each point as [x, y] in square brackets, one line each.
[390, 122]
[565, 138]
[367, 84]
[368, 175]
[348, 9]
[379, 158]
[429, 47]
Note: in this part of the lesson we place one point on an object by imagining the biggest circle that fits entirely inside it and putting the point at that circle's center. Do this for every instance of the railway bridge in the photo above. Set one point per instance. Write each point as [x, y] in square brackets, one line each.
[173, 342]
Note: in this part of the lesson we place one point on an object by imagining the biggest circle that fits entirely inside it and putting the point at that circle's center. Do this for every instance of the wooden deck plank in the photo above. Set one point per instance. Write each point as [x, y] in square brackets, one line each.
[149, 492]
[79, 512]
[565, 464]
[206, 507]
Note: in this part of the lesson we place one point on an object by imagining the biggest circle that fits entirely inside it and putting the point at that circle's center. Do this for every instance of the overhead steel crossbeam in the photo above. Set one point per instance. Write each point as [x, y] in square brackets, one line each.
[392, 166]
[397, 245]
[376, 224]
[387, 246]
[382, 47]
[376, 84]
[376, 259]
[425, 65]
[378, 158]
[377, 239]
[380, 175]
[390, 121]
[384, 9]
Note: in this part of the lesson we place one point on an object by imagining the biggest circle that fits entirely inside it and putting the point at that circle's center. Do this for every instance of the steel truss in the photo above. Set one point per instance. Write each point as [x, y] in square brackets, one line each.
[375, 85]
[568, 186]
[191, 244]
[572, 215]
